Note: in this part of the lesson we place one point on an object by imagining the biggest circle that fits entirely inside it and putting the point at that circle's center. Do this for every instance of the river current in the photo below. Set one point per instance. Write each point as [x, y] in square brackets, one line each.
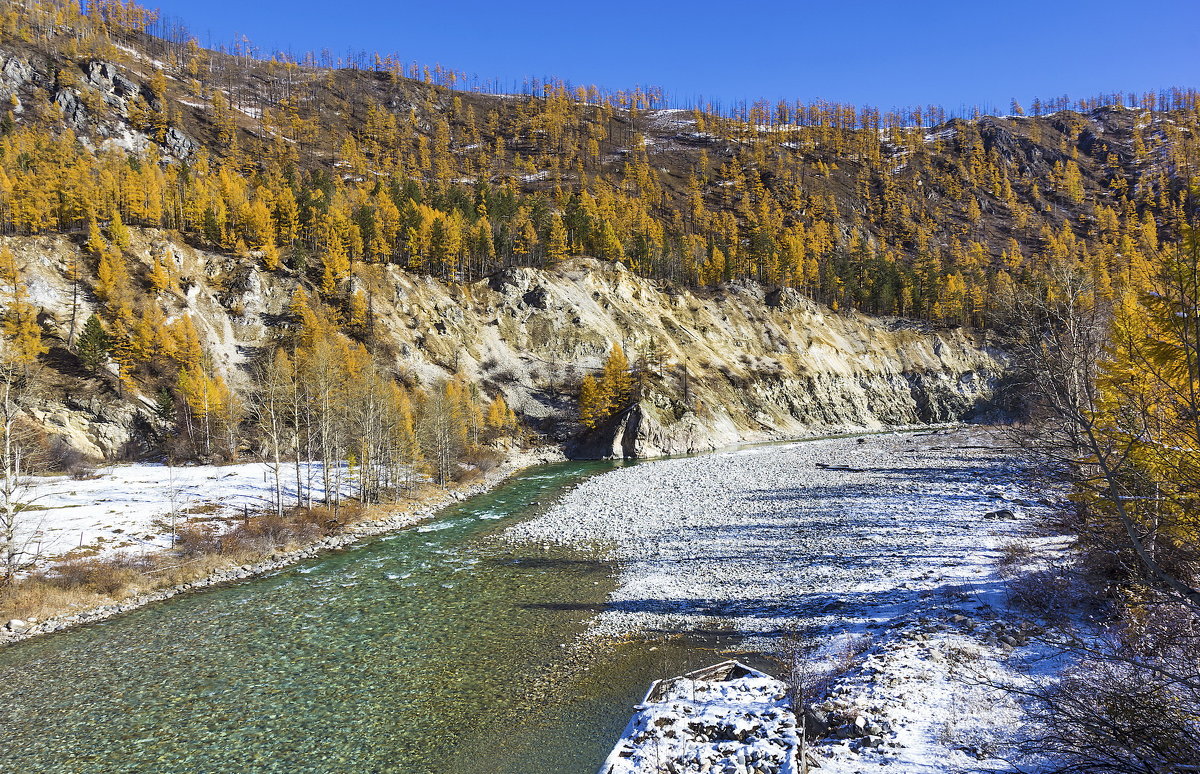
[434, 650]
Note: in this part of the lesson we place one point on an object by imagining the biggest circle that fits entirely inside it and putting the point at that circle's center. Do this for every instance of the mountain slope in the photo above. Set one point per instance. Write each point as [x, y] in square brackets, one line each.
[513, 240]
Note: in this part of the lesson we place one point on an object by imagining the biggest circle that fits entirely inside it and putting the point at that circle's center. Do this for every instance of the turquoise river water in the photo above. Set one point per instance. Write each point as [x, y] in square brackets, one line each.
[436, 650]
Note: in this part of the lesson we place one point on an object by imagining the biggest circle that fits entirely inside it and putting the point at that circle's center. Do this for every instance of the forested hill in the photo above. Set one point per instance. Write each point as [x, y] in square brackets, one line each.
[310, 168]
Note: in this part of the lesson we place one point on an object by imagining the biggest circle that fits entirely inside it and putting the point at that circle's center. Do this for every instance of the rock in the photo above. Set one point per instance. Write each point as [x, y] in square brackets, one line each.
[1003, 513]
[872, 740]
[535, 298]
[784, 298]
[178, 144]
[735, 384]
[17, 625]
[816, 722]
[73, 110]
[100, 74]
[15, 74]
[123, 87]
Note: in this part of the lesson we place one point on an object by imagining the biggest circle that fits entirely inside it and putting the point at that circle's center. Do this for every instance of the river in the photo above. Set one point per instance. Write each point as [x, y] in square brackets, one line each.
[437, 649]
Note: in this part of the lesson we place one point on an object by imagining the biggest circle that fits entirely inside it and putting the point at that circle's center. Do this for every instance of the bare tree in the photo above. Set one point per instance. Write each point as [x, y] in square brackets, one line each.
[441, 432]
[270, 409]
[1060, 338]
[17, 491]
[1130, 702]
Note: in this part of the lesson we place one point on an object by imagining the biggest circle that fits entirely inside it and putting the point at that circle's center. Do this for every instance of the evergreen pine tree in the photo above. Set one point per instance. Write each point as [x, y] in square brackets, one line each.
[93, 345]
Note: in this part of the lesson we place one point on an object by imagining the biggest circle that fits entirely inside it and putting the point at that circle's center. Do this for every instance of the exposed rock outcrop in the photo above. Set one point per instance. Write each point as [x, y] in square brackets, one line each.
[739, 362]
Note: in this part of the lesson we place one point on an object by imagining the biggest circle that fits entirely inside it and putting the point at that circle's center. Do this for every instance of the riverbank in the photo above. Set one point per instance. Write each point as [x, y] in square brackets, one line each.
[875, 570]
[387, 517]
[126, 499]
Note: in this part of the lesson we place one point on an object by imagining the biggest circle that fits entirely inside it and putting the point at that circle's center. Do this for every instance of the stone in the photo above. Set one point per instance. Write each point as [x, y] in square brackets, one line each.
[17, 625]
[178, 144]
[100, 74]
[816, 722]
[73, 110]
[125, 87]
[872, 740]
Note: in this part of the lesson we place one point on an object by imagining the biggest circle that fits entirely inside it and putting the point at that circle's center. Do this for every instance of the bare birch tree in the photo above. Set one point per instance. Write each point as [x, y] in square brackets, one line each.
[17, 491]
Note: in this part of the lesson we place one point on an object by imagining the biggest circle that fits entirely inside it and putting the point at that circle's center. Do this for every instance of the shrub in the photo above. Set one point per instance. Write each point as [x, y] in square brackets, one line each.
[111, 576]
[1014, 554]
[267, 533]
[1123, 708]
[466, 474]
[194, 540]
[483, 458]
[1048, 593]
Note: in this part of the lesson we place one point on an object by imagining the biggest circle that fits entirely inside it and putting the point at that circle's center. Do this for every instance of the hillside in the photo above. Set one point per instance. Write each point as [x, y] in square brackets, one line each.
[724, 365]
[315, 168]
[258, 310]
[206, 212]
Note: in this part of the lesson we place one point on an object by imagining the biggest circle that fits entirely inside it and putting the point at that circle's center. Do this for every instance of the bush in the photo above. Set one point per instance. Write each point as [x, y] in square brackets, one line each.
[483, 458]
[1047, 593]
[194, 540]
[1013, 555]
[1113, 714]
[268, 533]
[466, 474]
[67, 459]
[111, 576]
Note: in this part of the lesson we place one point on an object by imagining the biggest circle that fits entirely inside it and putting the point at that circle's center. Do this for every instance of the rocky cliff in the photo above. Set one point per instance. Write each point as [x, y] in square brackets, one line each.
[736, 363]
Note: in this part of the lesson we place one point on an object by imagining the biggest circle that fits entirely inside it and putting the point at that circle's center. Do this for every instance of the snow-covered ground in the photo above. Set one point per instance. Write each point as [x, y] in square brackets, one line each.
[132, 507]
[741, 720]
[877, 554]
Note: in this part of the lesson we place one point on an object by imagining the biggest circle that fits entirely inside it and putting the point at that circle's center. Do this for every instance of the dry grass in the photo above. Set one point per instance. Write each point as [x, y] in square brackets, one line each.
[1014, 555]
[111, 577]
[81, 582]
[38, 598]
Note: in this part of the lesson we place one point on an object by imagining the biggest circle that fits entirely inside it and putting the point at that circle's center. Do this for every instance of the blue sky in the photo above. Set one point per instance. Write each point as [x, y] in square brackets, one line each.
[885, 54]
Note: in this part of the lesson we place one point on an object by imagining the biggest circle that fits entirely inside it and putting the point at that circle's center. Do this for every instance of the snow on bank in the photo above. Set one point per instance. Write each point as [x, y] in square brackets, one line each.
[883, 549]
[131, 507]
[738, 719]
[800, 537]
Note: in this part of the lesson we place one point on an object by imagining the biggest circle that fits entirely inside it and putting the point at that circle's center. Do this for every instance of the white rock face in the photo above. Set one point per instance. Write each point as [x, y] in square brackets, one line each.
[721, 365]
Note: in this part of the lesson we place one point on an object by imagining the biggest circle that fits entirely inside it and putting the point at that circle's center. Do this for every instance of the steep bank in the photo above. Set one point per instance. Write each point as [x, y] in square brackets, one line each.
[741, 362]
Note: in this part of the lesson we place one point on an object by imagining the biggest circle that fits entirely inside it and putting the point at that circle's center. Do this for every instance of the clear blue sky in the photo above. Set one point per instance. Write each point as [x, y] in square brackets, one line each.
[895, 53]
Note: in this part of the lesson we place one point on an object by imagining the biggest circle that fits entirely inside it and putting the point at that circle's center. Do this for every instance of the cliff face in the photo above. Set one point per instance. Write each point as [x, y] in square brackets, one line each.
[737, 363]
